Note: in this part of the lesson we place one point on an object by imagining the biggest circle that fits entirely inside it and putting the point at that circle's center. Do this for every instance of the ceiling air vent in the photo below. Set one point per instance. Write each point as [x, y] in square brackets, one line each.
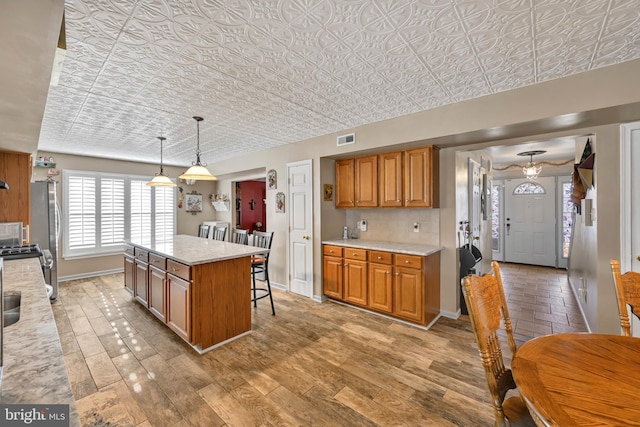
[346, 139]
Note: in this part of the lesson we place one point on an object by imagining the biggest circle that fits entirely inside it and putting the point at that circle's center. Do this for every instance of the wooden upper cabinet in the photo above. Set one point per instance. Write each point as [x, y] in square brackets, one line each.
[390, 179]
[366, 183]
[345, 184]
[15, 203]
[421, 178]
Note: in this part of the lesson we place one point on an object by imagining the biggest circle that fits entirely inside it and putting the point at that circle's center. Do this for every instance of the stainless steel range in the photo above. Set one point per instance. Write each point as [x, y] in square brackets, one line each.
[18, 252]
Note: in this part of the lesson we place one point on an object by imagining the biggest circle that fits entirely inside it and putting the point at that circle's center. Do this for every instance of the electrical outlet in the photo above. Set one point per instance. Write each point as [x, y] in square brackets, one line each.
[363, 225]
[416, 227]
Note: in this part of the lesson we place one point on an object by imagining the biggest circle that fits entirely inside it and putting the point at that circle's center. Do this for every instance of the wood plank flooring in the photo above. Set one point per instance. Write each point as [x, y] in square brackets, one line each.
[310, 365]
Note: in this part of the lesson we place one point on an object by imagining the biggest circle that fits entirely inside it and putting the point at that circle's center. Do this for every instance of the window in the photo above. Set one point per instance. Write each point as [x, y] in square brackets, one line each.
[529, 188]
[102, 210]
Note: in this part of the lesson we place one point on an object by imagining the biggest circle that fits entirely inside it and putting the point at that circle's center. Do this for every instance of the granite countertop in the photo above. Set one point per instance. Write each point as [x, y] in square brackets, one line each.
[34, 371]
[402, 248]
[193, 250]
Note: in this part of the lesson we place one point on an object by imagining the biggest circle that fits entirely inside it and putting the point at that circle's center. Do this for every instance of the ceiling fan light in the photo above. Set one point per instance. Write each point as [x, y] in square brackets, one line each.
[198, 172]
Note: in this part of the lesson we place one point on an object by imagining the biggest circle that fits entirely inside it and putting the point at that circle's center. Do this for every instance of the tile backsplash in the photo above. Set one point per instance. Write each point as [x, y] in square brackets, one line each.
[396, 225]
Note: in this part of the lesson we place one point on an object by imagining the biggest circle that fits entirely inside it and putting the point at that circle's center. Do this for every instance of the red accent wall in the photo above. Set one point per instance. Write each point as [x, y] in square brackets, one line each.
[256, 191]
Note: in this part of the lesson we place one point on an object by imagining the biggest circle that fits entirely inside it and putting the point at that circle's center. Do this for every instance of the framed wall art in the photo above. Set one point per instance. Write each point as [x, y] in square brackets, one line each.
[272, 180]
[280, 202]
[193, 203]
[328, 192]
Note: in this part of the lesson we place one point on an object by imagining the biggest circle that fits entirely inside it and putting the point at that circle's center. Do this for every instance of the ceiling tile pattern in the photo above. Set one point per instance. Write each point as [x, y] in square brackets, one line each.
[264, 73]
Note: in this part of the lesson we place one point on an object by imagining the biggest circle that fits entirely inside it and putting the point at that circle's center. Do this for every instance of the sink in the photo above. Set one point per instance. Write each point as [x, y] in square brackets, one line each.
[11, 307]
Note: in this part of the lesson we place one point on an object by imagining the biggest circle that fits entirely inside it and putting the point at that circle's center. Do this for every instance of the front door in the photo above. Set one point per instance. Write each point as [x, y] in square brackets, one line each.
[300, 228]
[530, 224]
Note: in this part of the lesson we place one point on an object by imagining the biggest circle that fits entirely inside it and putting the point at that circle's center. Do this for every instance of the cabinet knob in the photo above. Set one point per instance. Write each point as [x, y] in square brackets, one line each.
[355, 254]
[407, 261]
[379, 257]
[331, 251]
[388, 272]
[397, 274]
[398, 200]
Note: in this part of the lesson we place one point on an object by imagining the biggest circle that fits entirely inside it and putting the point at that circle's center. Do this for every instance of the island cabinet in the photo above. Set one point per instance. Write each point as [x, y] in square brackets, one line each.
[395, 284]
[198, 287]
[141, 282]
[129, 268]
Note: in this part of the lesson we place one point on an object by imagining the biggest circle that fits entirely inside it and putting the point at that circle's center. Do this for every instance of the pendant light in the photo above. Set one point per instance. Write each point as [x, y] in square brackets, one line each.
[530, 170]
[161, 179]
[198, 172]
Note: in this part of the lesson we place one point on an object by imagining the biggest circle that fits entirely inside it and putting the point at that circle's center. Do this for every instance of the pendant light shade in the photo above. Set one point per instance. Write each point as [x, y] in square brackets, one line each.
[161, 179]
[530, 170]
[198, 171]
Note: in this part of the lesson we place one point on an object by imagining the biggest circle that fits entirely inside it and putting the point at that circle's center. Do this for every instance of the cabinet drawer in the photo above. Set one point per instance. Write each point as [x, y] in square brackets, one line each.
[128, 249]
[351, 253]
[178, 269]
[332, 250]
[380, 257]
[158, 261]
[141, 254]
[412, 261]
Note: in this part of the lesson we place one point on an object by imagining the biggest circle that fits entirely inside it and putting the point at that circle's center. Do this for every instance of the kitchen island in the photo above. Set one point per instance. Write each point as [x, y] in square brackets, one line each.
[34, 370]
[200, 288]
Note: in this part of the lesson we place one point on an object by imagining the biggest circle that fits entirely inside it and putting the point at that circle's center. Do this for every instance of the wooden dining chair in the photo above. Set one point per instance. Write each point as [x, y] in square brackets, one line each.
[627, 292]
[203, 230]
[487, 307]
[219, 233]
[260, 264]
[239, 236]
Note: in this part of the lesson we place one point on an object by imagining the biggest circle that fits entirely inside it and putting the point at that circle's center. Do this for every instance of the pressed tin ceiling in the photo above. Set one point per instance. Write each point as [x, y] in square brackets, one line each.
[264, 73]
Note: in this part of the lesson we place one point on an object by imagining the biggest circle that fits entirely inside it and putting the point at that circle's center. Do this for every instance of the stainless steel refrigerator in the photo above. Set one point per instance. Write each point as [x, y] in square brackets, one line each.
[45, 229]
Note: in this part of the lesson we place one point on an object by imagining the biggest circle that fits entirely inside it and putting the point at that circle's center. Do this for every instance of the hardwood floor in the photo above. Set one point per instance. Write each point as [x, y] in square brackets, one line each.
[310, 365]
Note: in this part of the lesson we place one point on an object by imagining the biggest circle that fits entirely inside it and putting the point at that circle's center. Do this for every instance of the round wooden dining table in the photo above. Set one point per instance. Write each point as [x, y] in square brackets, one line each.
[580, 379]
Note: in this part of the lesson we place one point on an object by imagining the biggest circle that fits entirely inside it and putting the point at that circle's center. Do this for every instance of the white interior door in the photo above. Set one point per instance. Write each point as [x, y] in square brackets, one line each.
[530, 224]
[630, 197]
[300, 227]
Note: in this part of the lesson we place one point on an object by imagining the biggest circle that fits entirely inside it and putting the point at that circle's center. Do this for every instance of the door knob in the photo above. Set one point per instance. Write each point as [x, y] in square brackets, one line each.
[307, 238]
[638, 257]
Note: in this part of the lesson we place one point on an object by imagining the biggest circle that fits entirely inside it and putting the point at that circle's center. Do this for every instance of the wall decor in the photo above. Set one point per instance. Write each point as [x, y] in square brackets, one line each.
[280, 202]
[193, 202]
[328, 192]
[272, 179]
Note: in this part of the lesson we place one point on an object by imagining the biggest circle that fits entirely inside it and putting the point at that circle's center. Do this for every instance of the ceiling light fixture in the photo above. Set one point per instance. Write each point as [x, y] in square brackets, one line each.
[198, 172]
[161, 179]
[530, 170]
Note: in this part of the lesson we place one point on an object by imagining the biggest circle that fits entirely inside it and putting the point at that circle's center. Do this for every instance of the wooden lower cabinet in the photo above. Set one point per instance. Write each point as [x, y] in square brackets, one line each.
[178, 316]
[355, 282]
[399, 285]
[332, 276]
[408, 295]
[129, 273]
[381, 287]
[157, 292]
[141, 282]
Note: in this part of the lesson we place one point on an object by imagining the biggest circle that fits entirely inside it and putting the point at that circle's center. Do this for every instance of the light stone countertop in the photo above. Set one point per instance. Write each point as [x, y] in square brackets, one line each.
[34, 370]
[402, 248]
[193, 250]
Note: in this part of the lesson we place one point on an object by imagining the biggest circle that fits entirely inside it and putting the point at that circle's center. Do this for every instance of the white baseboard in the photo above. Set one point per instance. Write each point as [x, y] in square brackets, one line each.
[575, 295]
[451, 314]
[91, 274]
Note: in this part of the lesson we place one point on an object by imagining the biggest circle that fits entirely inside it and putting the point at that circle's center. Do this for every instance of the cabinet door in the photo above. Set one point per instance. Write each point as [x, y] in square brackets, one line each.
[141, 283]
[15, 204]
[380, 287]
[178, 314]
[366, 183]
[355, 282]
[129, 273]
[408, 296]
[157, 291]
[390, 179]
[332, 277]
[345, 172]
[417, 178]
